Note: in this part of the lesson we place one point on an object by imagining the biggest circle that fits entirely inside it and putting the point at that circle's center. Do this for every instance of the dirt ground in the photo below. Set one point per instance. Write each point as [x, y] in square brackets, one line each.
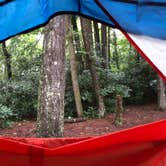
[133, 116]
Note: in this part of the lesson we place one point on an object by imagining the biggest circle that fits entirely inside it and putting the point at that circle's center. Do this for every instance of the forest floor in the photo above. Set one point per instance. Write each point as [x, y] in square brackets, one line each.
[133, 116]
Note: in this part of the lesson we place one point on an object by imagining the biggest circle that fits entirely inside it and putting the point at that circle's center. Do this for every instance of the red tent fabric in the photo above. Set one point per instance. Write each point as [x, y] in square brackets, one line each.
[141, 146]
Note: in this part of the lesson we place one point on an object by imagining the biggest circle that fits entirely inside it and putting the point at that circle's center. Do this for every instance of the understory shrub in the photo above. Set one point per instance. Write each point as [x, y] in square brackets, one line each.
[143, 82]
[6, 116]
[112, 84]
[19, 96]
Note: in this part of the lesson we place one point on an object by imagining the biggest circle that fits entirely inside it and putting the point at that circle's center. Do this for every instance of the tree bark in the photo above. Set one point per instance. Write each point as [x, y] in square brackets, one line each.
[115, 53]
[76, 35]
[86, 27]
[73, 65]
[50, 119]
[119, 109]
[161, 94]
[109, 48]
[8, 67]
[97, 38]
[78, 44]
[104, 45]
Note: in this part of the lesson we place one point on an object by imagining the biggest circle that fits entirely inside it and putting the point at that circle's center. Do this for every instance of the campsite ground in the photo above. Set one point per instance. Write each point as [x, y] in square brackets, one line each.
[133, 116]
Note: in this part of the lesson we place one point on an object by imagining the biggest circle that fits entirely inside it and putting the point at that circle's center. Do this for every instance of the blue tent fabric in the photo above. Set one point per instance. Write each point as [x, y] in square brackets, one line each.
[2, 2]
[144, 17]
[18, 16]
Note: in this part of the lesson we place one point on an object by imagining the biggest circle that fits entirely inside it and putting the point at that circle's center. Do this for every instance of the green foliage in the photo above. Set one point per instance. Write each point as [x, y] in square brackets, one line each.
[6, 116]
[20, 94]
[91, 112]
[112, 83]
[86, 89]
[138, 76]
[143, 82]
[134, 80]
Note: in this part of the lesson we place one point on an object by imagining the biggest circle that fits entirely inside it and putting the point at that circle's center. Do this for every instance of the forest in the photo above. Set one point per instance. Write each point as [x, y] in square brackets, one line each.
[75, 70]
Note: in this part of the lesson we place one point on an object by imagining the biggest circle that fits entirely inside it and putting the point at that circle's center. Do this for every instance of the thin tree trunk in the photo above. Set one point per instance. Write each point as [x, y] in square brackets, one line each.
[50, 119]
[119, 109]
[104, 45]
[88, 43]
[78, 43]
[138, 56]
[8, 67]
[161, 94]
[97, 38]
[115, 53]
[76, 35]
[109, 48]
[73, 65]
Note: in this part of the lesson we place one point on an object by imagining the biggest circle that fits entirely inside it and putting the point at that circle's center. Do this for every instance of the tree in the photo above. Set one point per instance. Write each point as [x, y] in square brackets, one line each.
[109, 49]
[97, 38]
[161, 94]
[50, 119]
[119, 109]
[73, 66]
[104, 45]
[115, 52]
[88, 43]
[76, 35]
[8, 67]
[78, 42]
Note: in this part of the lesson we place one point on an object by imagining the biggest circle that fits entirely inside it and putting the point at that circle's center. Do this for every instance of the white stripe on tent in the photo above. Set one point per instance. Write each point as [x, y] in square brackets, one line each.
[154, 49]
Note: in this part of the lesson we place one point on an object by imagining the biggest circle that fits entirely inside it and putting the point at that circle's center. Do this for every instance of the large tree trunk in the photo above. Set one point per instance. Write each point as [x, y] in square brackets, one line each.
[161, 94]
[88, 43]
[73, 64]
[50, 120]
[104, 45]
[8, 67]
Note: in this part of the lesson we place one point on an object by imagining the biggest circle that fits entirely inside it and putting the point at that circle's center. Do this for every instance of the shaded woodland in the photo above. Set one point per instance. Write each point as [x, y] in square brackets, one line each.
[73, 68]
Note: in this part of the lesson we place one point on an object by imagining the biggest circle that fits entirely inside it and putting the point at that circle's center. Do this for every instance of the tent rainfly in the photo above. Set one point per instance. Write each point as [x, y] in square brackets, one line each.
[143, 22]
